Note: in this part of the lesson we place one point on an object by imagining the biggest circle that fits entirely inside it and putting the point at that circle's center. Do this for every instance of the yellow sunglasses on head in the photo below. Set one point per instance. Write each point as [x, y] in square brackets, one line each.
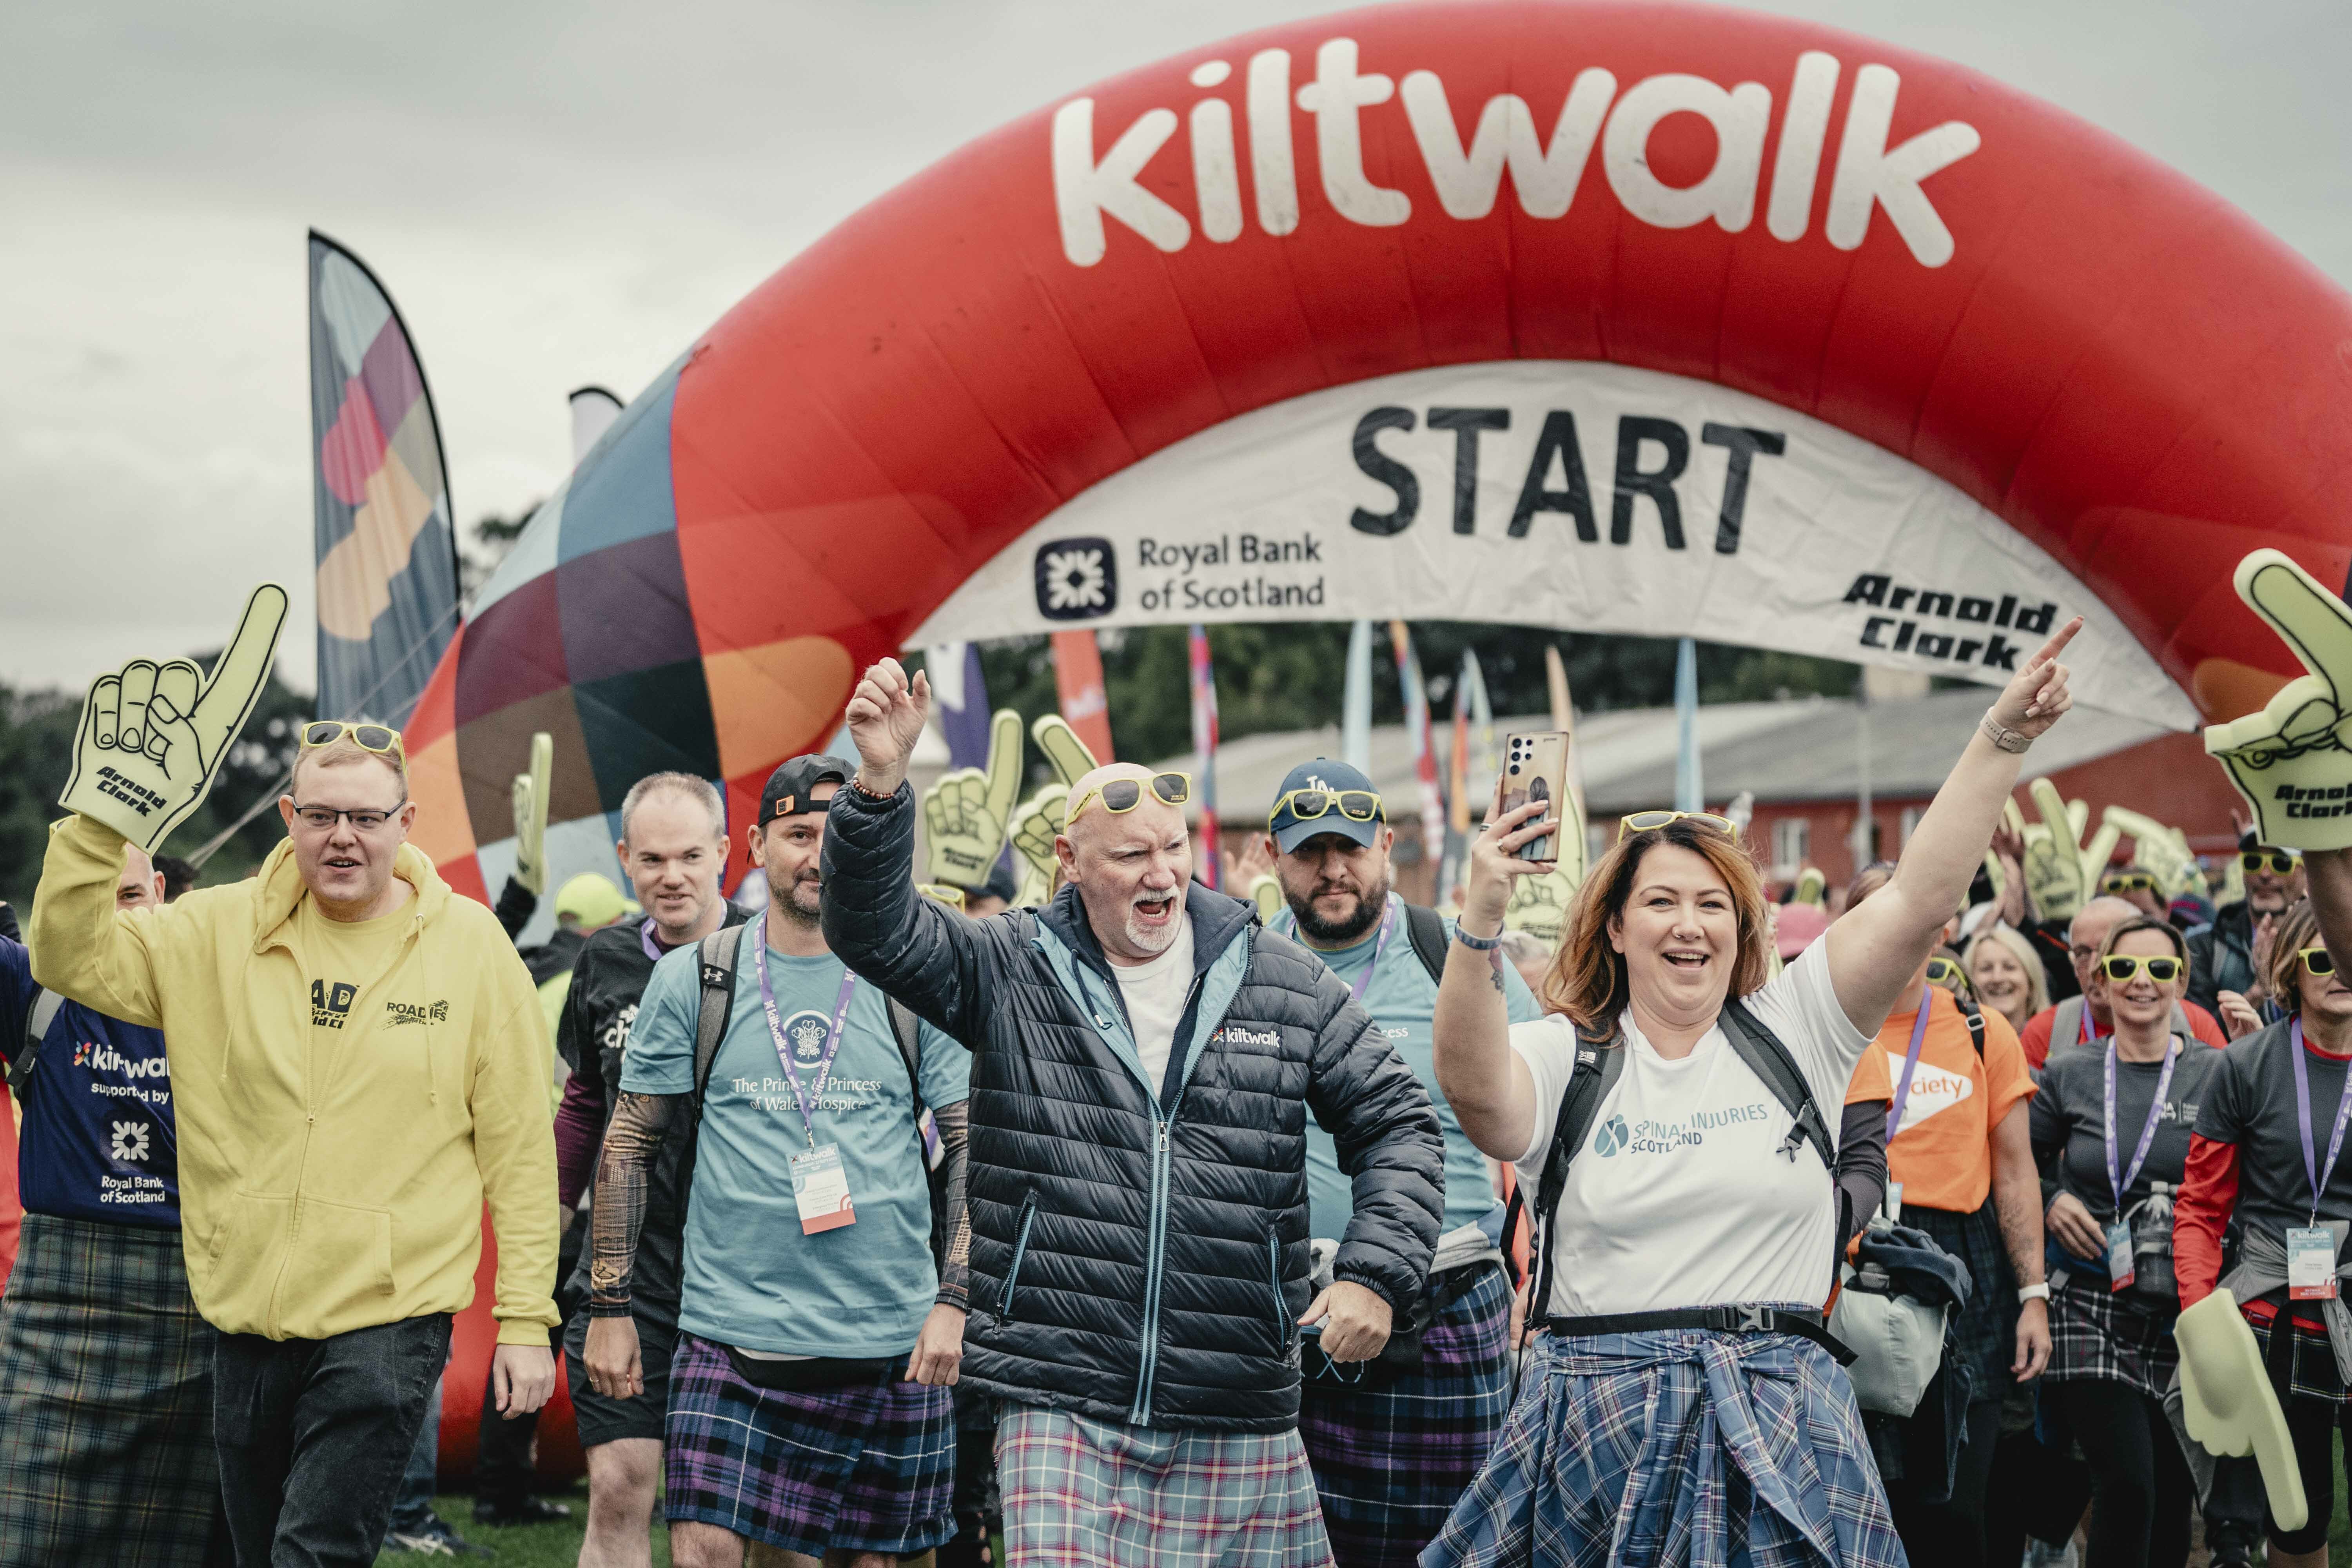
[1306, 804]
[377, 738]
[1643, 821]
[1125, 794]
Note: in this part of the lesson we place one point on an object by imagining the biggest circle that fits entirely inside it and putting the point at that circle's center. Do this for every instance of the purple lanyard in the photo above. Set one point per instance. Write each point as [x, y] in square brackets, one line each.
[646, 935]
[776, 1028]
[2319, 1174]
[2130, 1173]
[2084, 1032]
[1910, 1062]
[1388, 928]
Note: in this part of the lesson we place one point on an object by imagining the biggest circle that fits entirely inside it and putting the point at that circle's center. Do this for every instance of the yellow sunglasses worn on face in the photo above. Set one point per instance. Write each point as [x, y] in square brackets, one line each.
[377, 738]
[1643, 821]
[1125, 794]
[2316, 960]
[1306, 804]
[2129, 882]
[2278, 862]
[2126, 967]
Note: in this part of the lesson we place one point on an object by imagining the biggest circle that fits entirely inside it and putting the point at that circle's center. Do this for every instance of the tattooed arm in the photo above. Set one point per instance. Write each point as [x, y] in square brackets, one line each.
[955, 1262]
[641, 1122]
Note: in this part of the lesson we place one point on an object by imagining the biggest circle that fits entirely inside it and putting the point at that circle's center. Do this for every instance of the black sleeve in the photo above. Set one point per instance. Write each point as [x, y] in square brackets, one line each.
[1861, 1175]
[2050, 1127]
[933, 960]
[2203, 988]
[2048, 939]
[8, 927]
[517, 904]
[1390, 1144]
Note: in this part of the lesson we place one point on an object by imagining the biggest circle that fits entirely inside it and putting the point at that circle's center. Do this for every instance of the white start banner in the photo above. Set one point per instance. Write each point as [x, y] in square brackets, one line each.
[1575, 495]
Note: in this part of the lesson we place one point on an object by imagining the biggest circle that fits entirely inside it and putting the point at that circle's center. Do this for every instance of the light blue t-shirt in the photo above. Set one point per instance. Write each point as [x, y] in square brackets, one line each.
[1403, 999]
[753, 1279]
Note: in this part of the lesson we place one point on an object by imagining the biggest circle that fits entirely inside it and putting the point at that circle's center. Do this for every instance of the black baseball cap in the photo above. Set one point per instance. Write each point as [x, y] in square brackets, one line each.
[790, 787]
[1337, 779]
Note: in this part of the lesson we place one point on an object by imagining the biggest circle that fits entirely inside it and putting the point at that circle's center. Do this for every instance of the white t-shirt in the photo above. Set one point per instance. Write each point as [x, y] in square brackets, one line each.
[1681, 1197]
[1154, 992]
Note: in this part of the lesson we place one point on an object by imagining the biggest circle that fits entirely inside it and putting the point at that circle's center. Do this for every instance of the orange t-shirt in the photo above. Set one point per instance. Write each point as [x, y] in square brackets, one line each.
[1943, 1151]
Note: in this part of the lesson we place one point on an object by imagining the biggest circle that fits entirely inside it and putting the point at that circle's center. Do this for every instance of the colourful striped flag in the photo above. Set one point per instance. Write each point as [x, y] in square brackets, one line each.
[1078, 683]
[1424, 756]
[1205, 743]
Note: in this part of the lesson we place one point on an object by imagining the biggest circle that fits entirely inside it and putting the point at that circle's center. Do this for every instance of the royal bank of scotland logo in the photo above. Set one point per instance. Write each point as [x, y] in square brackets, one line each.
[1077, 579]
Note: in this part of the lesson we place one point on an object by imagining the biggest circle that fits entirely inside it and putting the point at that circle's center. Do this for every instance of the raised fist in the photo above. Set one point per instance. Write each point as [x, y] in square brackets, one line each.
[1034, 827]
[966, 814]
[885, 716]
[1540, 904]
[531, 797]
[2293, 760]
[152, 736]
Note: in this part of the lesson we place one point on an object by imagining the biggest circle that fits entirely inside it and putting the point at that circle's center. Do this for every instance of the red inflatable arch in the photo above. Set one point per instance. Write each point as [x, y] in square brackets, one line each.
[1607, 316]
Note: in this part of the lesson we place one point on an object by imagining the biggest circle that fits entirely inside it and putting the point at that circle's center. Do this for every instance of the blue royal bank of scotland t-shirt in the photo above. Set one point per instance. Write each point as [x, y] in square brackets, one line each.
[1403, 999]
[752, 1278]
[98, 1142]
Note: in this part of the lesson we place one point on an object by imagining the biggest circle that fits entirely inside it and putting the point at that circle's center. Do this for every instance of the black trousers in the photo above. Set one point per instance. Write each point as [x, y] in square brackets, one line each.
[2140, 1483]
[313, 1436]
[1951, 1533]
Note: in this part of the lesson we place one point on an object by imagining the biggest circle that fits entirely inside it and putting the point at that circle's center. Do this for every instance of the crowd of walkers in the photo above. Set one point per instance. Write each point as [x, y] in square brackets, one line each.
[1134, 1222]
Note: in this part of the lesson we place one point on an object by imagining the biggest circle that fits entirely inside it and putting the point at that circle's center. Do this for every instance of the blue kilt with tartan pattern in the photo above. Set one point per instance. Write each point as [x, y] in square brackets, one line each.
[1391, 1462]
[1676, 1448]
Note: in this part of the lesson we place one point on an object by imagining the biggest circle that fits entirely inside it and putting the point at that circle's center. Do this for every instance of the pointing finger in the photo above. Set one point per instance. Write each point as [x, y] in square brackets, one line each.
[1004, 744]
[1071, 760]
[242, 671]
[2314, 622]
[2057, 643]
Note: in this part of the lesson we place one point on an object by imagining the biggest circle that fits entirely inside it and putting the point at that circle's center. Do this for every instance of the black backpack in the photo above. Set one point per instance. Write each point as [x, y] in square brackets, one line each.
[1600, 1063]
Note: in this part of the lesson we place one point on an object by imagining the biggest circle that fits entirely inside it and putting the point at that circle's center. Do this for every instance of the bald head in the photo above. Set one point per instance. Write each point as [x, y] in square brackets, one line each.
[1129, 868]
[140, 886]
[2088, 933]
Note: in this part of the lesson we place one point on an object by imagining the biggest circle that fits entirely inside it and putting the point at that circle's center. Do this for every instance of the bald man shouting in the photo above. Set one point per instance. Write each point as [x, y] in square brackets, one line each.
[1145, 1059]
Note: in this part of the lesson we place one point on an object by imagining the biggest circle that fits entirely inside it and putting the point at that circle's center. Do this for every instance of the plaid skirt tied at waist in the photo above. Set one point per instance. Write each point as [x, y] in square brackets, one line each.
[1676, 1446]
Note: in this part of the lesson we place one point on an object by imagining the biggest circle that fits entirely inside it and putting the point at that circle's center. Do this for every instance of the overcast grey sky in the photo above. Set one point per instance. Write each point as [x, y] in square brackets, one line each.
[562, 193]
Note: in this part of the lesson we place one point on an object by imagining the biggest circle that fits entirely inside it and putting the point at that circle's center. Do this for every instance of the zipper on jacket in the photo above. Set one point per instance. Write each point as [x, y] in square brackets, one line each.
[1157, 1253]
[1020, 1250]
[1281, 1308]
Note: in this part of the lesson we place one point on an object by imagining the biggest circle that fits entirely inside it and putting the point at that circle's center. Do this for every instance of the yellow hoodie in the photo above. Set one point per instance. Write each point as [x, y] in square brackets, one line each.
[327, 1187]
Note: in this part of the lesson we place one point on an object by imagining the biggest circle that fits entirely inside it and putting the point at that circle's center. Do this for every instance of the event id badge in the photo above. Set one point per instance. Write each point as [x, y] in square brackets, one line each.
[821, 1187]
[2119, 1257]
[2311, 1263]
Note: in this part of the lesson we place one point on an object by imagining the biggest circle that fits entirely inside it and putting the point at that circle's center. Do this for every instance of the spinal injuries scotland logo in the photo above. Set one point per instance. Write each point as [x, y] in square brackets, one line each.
[1077, 579]
[1612, 1137]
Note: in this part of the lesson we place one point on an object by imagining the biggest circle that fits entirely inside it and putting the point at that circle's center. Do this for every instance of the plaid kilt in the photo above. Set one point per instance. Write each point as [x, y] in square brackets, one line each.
[2312, 1372]
[106, 1396]
[1390, 1462]
[1676, 1446]
[1984, 1333]
[870, 1468]
[1082, 1493]
[2096, 1335]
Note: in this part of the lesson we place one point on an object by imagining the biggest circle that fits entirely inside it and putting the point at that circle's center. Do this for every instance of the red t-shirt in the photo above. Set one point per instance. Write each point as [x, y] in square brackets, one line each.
[2035, 1036]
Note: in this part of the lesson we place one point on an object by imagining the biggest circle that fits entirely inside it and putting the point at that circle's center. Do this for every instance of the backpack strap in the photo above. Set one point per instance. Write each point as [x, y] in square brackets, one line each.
[44, 1012]
[2067, 1023]
[1973, 1016]
[1600, 1063]
[717, 956]
[1425, 928]
[1768, 1059]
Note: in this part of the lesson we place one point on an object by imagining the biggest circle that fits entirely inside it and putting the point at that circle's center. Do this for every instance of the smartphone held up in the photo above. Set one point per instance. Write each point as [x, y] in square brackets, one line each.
[1535, 768]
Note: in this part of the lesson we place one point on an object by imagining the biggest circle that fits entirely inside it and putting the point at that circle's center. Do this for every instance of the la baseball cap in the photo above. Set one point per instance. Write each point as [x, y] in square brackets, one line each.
[790, 787]
[1290, 830]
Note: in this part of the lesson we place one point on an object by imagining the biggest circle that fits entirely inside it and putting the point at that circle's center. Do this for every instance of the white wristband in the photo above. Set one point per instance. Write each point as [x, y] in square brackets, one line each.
[2037, 1291]
[2002, 735]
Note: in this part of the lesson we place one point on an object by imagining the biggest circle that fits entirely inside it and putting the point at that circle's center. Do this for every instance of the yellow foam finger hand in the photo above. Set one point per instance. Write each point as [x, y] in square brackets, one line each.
[1035, 824]
[2053, 858]
[962, 839]
[1068, 755]
[150, 742]
[532, 793]
[2156, 849]
[2293, 760]
[1538, 906]
[1812, 887]
[1266, 892]
[2229, 1406]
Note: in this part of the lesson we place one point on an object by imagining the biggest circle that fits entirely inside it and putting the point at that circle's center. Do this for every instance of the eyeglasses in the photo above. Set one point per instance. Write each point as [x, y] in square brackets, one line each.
[2129, 882]
[1643, 821]
[940, 892]
[2277, 862]
[2316, 960]
[1306, 805]
[1945, 972]
[376, 738]
[2126, 967]
[322, 818]
[1125, 794]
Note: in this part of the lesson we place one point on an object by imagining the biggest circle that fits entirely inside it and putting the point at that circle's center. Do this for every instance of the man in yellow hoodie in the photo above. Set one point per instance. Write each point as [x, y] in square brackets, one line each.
[359, 1061]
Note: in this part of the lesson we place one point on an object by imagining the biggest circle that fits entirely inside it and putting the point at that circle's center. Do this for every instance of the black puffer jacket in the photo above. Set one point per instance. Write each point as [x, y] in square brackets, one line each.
[1135, 1266]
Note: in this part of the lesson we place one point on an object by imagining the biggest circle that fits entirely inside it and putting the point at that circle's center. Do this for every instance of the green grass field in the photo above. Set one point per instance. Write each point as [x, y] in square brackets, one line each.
[524, 1546]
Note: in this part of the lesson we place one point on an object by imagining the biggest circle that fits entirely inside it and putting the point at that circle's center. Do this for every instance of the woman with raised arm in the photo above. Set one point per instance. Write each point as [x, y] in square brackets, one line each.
[1668, 1116]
